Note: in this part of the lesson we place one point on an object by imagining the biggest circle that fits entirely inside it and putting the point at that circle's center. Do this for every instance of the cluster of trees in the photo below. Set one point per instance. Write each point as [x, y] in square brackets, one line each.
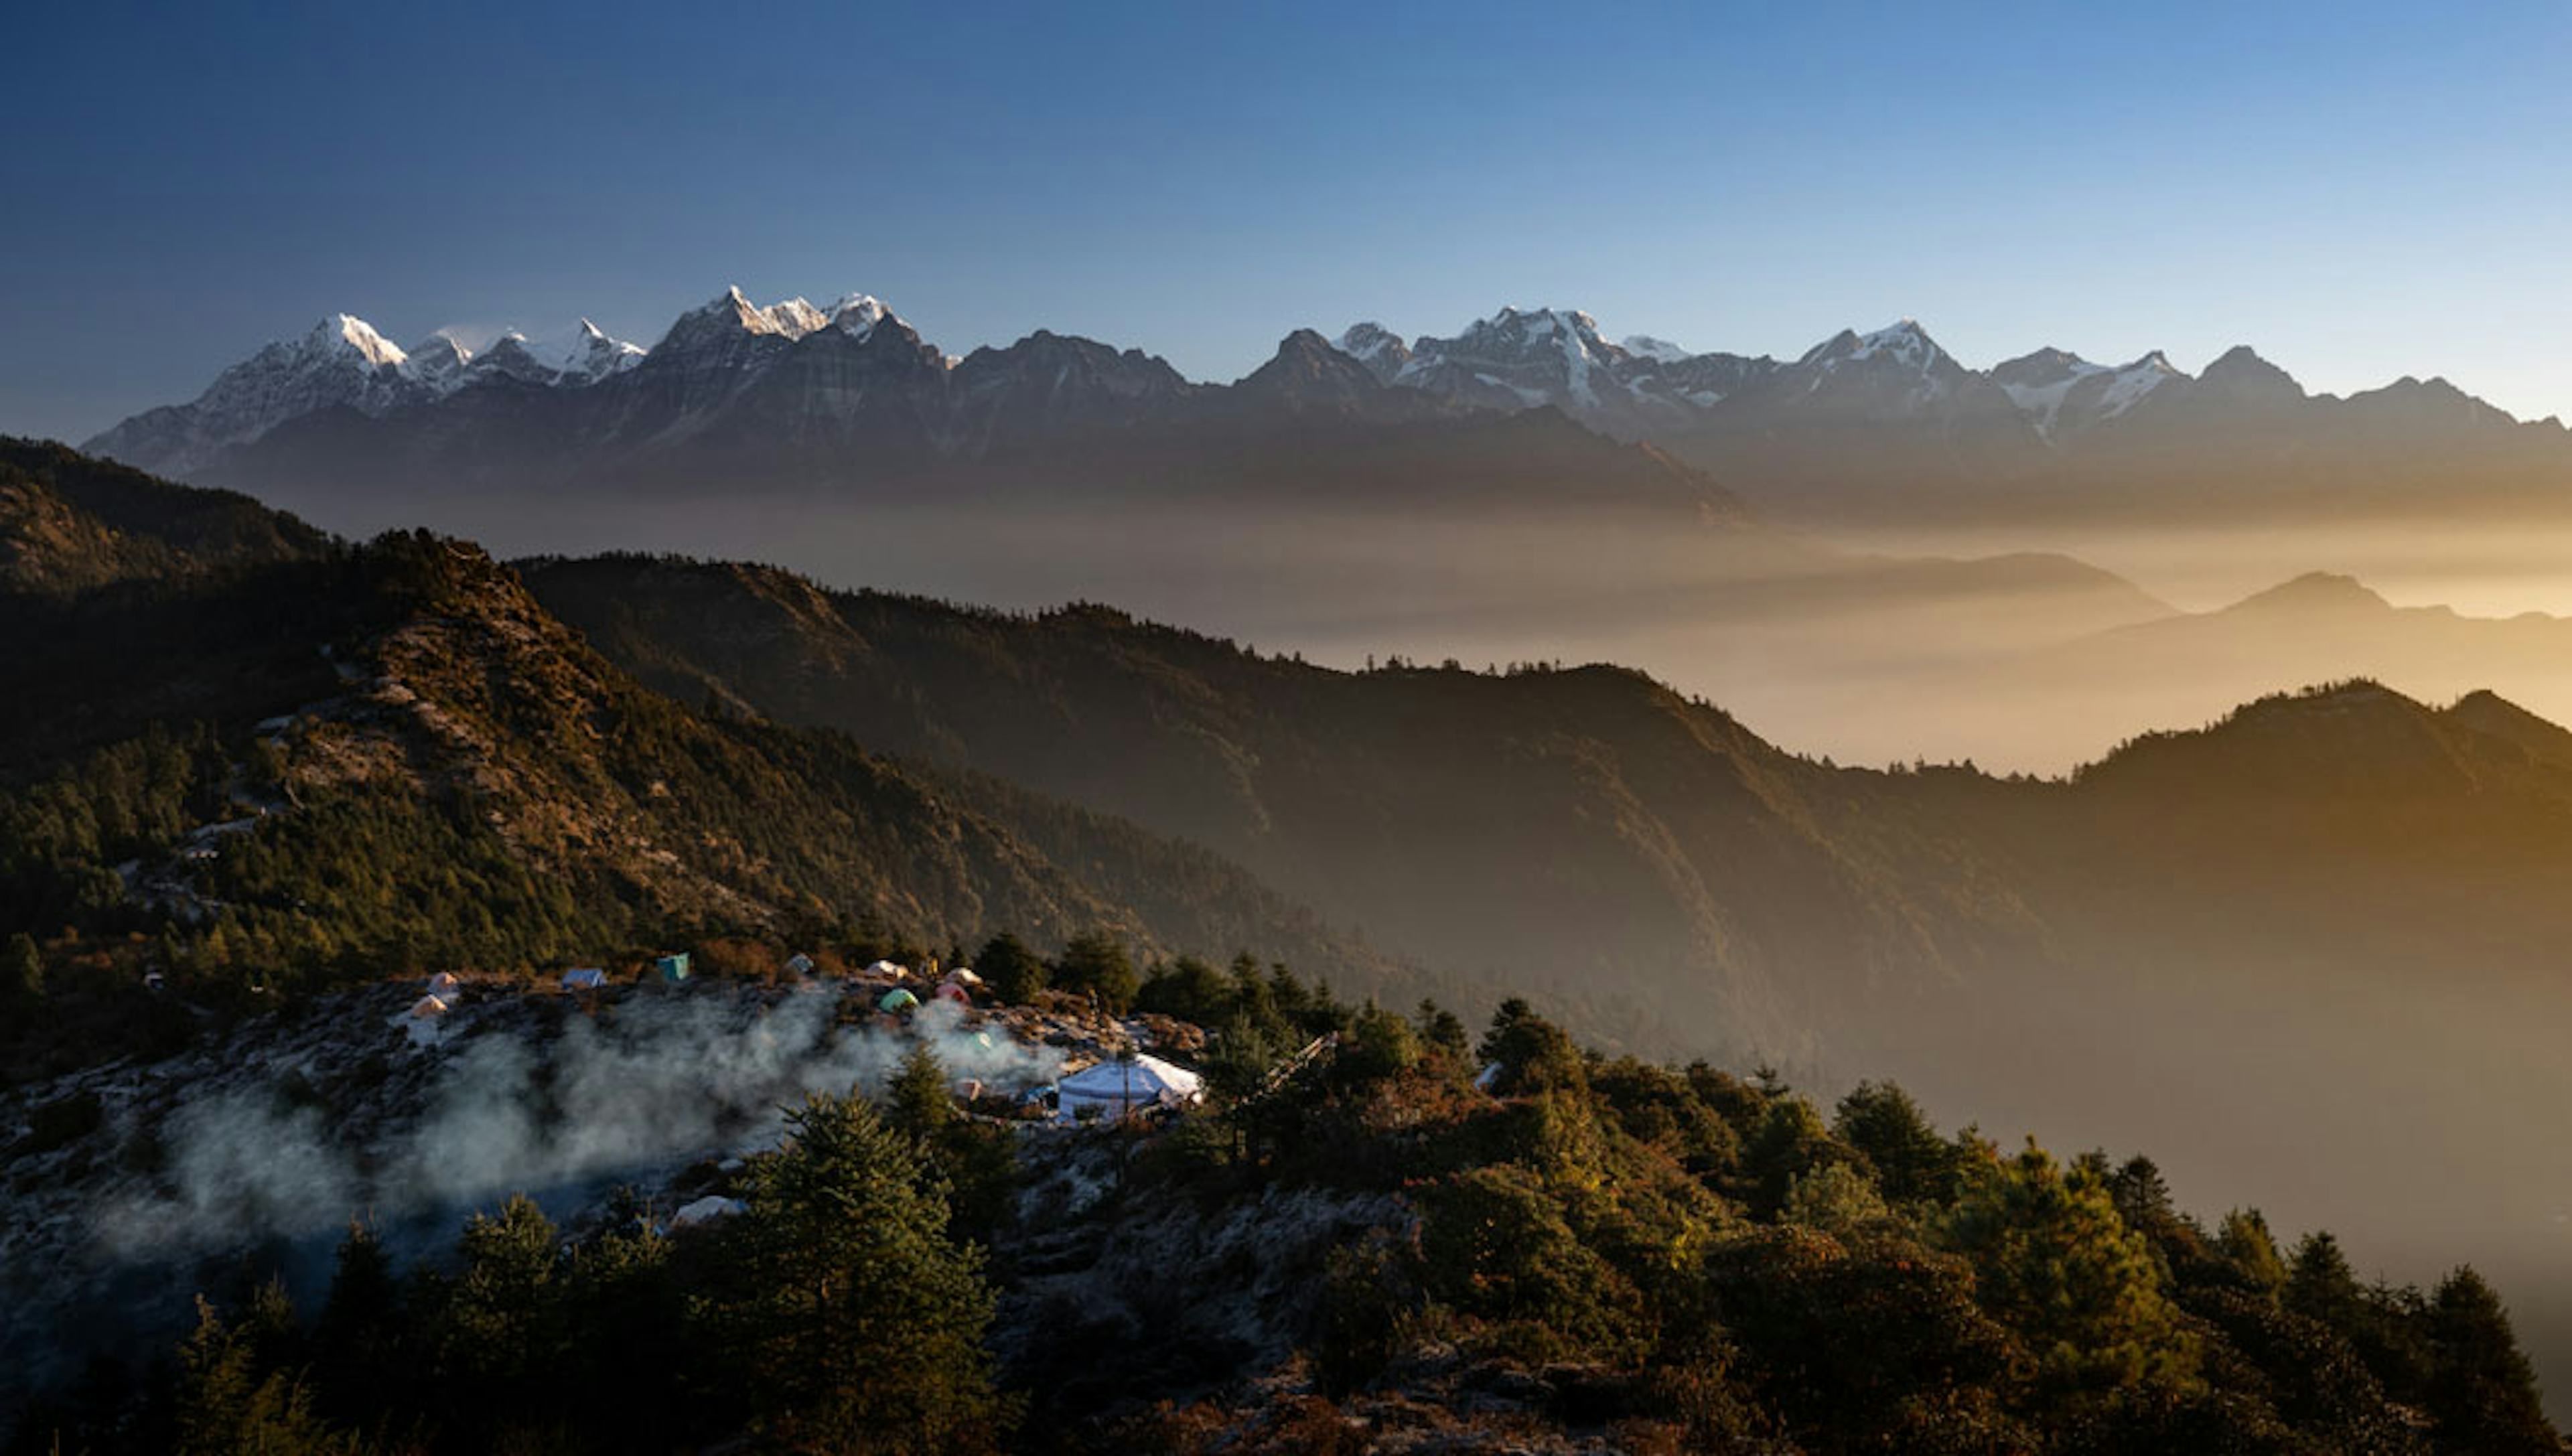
[562, 812]
[1726, 1264]
[1771, 1277]
[843, 1312]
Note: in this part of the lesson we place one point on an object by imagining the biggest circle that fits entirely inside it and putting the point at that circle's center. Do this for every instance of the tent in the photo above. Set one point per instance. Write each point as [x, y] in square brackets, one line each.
[673, 967]
[898, 999]
[443, 982]
[964, 976]
[887, 970]
[799, 964]
[428, 1006]
[949, 990]
[1117, 1089]
[583, 978]
[706, 1210]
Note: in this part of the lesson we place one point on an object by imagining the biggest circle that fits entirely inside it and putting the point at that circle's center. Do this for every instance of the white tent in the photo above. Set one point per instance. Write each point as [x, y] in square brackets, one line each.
[428, 1006]
[444, 984]
[964, 976]
[706, 1210]
[1116, 1089]
[887, 970]
[583, 978]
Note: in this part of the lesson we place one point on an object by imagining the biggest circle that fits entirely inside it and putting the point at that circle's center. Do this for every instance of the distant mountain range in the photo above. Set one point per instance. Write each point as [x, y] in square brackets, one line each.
[1880, 424]
[1889, 424]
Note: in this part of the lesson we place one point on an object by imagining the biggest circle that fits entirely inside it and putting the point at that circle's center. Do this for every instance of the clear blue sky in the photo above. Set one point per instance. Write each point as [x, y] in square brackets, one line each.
[2359, 190]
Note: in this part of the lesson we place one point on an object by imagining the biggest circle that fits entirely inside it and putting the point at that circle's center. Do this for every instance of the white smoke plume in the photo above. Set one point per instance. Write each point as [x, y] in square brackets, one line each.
[629, 1096]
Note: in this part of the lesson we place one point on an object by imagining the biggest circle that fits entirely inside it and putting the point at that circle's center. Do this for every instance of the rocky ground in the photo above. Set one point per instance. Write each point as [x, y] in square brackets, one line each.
[127, 1188]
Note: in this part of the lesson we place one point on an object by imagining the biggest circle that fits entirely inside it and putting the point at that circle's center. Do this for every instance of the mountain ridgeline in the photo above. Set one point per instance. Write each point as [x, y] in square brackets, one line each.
[1589, 827]
[69, 522]
[295, 773]
[851, 404]
[850, 401]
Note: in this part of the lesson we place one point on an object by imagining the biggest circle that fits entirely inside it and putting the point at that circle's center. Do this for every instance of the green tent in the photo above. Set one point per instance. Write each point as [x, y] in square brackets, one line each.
[674, 968]
[898, 999]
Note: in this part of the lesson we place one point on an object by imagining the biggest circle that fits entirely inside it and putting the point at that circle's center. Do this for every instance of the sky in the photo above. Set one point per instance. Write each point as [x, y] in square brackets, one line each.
[2360, 191]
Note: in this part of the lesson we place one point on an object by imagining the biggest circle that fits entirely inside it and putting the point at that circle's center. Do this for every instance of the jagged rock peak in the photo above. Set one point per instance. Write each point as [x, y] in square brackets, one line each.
[2242, 372]
[348, 333]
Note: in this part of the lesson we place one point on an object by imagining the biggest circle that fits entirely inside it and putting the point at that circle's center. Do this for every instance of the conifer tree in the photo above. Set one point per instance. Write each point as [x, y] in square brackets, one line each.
[227, 1406]
[857, 1323]
[1097, 964]
[917, 1100]
[2055, 1263]
[1912, 1162]
[2320, 1285]
[2481, 1389]
[357, 1340]
[1013, 973]
[22, 971]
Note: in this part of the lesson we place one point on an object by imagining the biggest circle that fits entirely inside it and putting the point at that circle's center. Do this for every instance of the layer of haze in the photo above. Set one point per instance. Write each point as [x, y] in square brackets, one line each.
[1986, 648]
[2362, 190]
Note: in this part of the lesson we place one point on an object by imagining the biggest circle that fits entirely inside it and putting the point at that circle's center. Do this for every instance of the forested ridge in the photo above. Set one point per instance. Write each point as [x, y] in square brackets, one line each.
[288, 775]
[1571, 1254]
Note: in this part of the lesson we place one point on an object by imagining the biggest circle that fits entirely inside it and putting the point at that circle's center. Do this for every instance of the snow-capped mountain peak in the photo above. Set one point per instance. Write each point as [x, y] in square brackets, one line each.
[2038, 383]
[1660, 350]
[2062, 393]
[583, 352]
[1896, 372]
[857, 314]
[1532, 356]
[1904, 341]
[732, 317]
[796, 318]
[347, 332]
[440, 360]
[1364, 341]
[342, 361]
[1383, 351]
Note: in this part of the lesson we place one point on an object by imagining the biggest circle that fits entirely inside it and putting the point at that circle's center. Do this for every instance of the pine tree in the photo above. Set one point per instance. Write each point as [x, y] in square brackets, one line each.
[358, 1337]
[1011, 970]
[500, 1324]
[2248, 1246]
[1912, 1162]
[917, 1100]
[22, 971]
[1791, 1144]
[2320, 1285]
[2481, 1389]
[1443, 1031]
[227, 1406]
[2055, 1263]
[1098, 964]
[856, 1321]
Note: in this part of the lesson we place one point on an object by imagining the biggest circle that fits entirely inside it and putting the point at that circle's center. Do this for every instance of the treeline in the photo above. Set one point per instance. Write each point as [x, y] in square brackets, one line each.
[838, 1313]
[1733, 1268]
[1659, 1259]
